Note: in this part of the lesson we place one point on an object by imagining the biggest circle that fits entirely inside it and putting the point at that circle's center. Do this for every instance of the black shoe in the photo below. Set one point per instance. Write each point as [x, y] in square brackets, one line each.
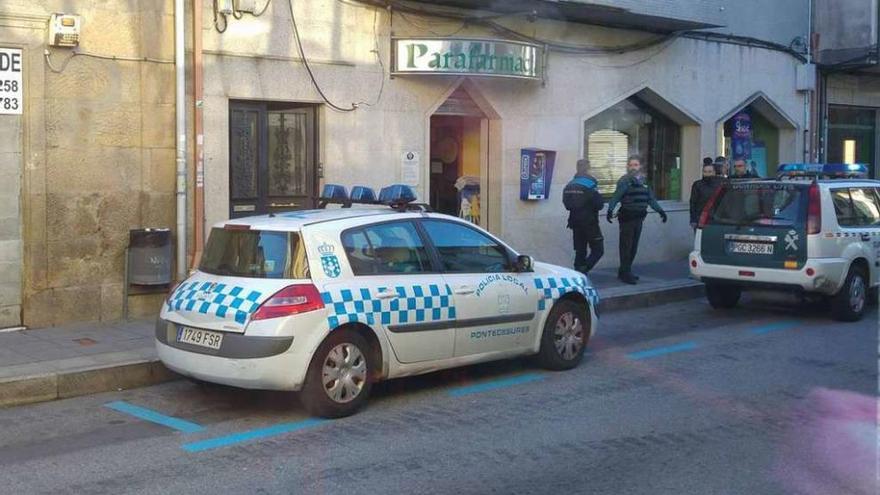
[628, 278]
[633, 275]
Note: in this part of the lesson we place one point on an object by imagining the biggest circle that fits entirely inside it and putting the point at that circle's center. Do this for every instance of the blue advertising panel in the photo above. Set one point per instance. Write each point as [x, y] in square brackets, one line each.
[741, 142]
[535, 173]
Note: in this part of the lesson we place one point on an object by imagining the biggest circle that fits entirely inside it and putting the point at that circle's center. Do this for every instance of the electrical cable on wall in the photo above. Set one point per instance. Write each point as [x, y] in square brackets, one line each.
[48, 56]
[220, 15]
[309, 69]
[263, 10]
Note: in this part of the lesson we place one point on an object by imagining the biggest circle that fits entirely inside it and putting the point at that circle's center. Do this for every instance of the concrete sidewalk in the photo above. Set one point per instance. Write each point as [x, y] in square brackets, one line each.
[85, 358]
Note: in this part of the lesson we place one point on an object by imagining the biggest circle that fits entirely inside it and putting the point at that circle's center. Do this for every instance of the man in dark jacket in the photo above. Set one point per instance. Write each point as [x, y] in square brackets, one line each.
[634, 197]
[583, 202]
[741, 170]
[702, 190]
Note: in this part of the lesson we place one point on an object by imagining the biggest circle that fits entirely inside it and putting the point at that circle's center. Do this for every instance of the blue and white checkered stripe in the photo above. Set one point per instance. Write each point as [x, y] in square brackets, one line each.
[224, 301]
[552, 288]
[413, 304]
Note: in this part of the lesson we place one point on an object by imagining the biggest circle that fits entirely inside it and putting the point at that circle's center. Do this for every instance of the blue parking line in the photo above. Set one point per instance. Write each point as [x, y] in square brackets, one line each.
[774, 327]
[659, 351]
[154, 417]
[245, 436]
[495, 384]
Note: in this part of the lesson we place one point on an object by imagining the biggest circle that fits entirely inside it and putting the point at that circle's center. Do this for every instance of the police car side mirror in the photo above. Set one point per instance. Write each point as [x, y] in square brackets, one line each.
[524, 263]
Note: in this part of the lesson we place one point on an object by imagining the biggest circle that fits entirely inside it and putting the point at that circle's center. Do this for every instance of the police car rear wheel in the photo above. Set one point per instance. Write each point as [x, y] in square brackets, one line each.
[850, 301]
[565, 336]
[338, 381]
[723, 296]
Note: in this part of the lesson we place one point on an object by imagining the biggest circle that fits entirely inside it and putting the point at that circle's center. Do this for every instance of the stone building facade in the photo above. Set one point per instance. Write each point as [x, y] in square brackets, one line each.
[91, 157]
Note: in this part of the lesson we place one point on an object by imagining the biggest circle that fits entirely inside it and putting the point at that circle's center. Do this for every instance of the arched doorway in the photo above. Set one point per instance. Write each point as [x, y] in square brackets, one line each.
[464, 139]
[643, 124]
[758, 132]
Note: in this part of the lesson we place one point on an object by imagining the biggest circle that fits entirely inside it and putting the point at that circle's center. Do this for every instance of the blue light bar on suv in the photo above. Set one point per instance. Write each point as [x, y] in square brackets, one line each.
[829, 170]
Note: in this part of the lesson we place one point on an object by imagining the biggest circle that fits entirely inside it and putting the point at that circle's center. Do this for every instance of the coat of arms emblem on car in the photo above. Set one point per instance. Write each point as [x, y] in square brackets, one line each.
[329, 261]
[205, 294]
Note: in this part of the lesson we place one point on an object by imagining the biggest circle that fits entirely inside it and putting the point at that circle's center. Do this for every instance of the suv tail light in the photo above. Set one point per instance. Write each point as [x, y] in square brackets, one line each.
[814, 210]
[707, 210]
[291, 300]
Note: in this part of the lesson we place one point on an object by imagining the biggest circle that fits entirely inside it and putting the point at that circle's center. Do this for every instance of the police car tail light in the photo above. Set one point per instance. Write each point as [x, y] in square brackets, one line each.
[707, 210]
[814, 210]
[291, 300]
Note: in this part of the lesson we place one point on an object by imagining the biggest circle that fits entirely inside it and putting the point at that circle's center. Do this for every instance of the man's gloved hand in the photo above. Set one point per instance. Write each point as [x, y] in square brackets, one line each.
[663, 216]
[609, 217]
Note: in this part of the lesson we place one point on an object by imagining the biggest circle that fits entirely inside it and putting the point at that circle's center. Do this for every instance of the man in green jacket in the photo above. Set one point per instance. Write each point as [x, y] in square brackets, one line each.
[634, 197]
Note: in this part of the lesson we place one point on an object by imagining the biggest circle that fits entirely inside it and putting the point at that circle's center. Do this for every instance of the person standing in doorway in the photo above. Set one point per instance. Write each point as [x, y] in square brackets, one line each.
[722, 167]
[583, 202]
[702, 190]
[741, 170]
[634, 197]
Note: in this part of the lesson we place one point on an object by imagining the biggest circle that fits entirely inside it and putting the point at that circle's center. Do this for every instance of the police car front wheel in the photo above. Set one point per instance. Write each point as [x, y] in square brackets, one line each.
[338, 381]
[565, 336]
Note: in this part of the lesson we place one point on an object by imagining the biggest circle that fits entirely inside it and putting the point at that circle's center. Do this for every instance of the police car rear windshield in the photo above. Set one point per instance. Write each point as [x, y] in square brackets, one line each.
[254, 254]
[767, 204]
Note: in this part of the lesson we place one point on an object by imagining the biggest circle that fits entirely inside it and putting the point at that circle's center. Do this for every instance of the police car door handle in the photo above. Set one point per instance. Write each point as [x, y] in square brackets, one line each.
[386, 294]
[464, 290]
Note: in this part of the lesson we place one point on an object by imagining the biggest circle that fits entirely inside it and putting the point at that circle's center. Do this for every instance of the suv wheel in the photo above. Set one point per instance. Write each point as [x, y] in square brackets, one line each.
[338, 381]
[565, 336]
[722, 296]
[850, 301]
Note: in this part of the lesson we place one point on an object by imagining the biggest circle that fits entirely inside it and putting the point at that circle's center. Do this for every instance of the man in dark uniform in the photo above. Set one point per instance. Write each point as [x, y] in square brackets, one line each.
[702, 190]
[634, 197]
[583, 202]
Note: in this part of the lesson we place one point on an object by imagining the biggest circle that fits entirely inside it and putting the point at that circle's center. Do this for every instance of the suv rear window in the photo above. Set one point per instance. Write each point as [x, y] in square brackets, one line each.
[761, 204]
[254, 254]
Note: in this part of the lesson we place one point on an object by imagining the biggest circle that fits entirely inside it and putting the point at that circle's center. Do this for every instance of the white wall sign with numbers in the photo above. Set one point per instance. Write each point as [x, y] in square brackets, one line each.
[11, 88]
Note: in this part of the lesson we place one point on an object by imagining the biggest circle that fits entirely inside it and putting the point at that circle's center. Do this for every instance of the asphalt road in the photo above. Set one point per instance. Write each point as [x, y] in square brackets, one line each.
[674, 399]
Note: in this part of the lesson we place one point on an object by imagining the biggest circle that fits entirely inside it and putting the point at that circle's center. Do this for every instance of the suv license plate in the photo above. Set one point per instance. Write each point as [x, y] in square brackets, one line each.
[201, 338]
[751, 248]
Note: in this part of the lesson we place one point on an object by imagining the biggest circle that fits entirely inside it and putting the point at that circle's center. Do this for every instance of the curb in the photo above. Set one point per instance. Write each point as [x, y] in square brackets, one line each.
[648, 298]
[17, 391]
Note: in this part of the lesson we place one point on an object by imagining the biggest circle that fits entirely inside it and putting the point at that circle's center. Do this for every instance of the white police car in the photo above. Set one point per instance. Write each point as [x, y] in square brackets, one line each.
[328, 301]
[813, 230]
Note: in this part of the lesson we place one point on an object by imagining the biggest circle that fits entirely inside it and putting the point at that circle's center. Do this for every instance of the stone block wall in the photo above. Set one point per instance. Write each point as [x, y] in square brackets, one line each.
[98, 155]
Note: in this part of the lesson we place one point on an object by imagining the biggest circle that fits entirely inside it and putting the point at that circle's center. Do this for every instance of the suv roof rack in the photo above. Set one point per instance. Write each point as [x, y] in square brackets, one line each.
[399, 197]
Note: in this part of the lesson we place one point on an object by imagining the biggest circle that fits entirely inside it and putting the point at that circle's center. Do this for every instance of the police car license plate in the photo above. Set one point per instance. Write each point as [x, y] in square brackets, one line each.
[201, 338]
[751, 248]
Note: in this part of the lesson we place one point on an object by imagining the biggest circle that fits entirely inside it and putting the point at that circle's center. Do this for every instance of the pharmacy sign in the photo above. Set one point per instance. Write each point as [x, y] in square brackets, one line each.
[477, 57]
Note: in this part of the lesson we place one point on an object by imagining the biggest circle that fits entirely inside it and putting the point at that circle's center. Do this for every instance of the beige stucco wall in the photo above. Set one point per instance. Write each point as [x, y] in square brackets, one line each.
[363, 147]
[97, 150]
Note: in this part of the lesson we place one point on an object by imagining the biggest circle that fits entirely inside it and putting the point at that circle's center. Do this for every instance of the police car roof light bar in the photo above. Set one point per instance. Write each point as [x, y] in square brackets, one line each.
[822, 170]
[398, 196]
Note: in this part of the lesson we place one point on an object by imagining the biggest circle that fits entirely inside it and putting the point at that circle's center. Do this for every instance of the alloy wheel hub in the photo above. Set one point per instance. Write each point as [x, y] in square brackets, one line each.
[568, 335]
[344, 373]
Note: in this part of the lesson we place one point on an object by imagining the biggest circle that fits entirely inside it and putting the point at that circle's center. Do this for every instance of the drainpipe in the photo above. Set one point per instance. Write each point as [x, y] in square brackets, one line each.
[180, 131]
[198, 116]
